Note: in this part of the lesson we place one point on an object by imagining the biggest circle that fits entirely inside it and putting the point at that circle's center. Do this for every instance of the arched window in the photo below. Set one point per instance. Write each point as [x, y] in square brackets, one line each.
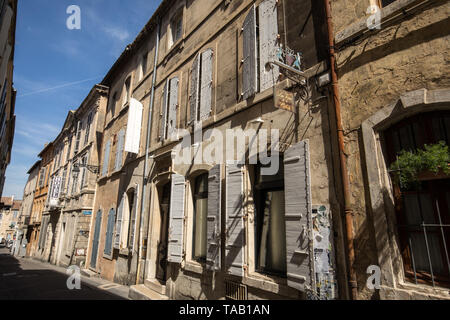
[423, 208]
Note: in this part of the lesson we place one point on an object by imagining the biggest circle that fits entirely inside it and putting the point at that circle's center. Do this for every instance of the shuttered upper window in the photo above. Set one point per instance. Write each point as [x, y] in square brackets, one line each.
[200, 98]
[126, 91]
[88, 128]
[109, 233]
[176, 28]
[106, 158]
[169, 109]
[119, 150]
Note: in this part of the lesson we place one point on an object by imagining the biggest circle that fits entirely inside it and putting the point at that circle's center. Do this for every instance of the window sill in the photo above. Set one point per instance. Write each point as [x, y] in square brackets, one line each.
[270, 284]
[117, 116]
[388, 14]
[177, 46]
[194, 267]
[108, 257]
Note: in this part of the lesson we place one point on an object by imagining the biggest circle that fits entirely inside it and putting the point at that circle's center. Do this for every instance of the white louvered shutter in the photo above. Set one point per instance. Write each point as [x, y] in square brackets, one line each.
[106, 158]
[119, 151]
[206, 84]
[298, 215]
[134, 126]
[213, 219]
[173, 106]
[133, 217]
[163, 127]
[268, 32]
[234, 255]
[249, 85]
[119, 224]
[176, 224]
[195, 90]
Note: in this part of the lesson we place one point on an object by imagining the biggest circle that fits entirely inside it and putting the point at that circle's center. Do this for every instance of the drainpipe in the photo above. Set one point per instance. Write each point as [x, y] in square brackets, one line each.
[342, 157]
[149, 130]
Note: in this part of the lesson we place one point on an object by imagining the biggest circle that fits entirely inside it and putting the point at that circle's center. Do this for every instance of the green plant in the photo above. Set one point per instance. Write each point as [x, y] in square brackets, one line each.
[432, 158]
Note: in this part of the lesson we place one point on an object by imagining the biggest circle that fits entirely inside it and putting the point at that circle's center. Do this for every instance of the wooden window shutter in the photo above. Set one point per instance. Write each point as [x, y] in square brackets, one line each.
[133, 218]
[249, 74]
[268, 33]
[298, 216]
[119, 151]
[119, 224]
[176, 224]
[213, 219]
[206, 84]
[195, 90]
[162, 128]
[134, 126]
[234, 256]
[173, 104]
[109, 232]
[106, 158]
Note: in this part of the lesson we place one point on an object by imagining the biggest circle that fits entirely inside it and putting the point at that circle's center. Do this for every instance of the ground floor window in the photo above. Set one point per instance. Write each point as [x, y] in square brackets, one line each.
[200, 217]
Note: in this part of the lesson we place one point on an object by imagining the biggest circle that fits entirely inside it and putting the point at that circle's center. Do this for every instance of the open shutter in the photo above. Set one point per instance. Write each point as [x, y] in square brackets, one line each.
[119, 151]
[206, 84]
[194, 96]
[162, 128]
[173, 106]
[176, 224]
[249, 73]
[106, 158]
[109, 232]
[213, 219]
[268, 33]
[234, 258]
[119, 224]
[134, 125]
[133, 217]
[298, 215]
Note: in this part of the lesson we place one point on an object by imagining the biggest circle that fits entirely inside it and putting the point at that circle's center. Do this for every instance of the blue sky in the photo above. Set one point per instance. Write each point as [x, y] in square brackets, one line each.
[55, 67]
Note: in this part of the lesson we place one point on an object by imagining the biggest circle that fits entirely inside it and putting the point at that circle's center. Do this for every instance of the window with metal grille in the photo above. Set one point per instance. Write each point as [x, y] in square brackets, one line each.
[235, 291]
[423, 209]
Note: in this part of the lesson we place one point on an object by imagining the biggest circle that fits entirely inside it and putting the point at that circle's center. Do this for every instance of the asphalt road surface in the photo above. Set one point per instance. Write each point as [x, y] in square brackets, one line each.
[25, 279]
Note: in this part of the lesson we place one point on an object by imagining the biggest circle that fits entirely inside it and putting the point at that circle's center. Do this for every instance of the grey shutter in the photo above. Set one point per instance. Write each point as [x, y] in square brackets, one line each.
[162, 129]
[109, 232]
[119, 151]
[234, 258]
[250, 55]
[213, 219]
[268, 33]
[118, 224]
[173, 104]
[206, 84]
[194, 95]
[298, 215]
[176, 224]
[106, 158]
[133, 217]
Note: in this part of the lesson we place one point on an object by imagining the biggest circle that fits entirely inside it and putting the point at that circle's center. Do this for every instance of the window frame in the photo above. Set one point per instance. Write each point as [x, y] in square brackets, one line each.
[195, 196]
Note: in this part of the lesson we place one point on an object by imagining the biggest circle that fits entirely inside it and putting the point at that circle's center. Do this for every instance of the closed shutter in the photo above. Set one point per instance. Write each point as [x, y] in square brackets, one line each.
[134, 125]
[268, 33]
[298, 215]
[234, 258]
[206, 84]
[106, 158]
[173, 105]
[250, 55]
[119, 151]
[133, 218]
[119, 224]
[162, 128]
[109, 232]
[194, 95]
[176, 224]
[213, 219]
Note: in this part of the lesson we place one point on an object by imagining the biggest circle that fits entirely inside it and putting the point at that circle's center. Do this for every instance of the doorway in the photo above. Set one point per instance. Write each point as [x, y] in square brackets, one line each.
[164, 210]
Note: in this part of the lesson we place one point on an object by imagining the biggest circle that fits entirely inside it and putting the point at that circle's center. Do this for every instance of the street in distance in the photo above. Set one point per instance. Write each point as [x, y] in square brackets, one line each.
[228, 309]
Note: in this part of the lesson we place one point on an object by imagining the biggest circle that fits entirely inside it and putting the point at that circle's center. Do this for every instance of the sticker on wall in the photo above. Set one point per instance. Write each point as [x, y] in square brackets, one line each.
[324, 261]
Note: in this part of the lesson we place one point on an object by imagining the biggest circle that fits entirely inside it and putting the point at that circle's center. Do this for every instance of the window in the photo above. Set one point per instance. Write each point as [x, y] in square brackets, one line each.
[176, 27]
[132, 207]
[126, 91]
[68, 148]
[270, 229]
[112, 104]
[78, 136]
[109, 233]
[143, 66]
[423, 210]
[63, 182]
[384, 3]
[41, 178]
[88, 128]
[200, 217]
[75, 179]
[119, 150]
[106, 158]
[201, 86]
[83, 176]
[169, 109]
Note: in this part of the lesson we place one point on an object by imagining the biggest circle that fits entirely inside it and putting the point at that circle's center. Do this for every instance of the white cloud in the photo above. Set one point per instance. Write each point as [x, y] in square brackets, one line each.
[116, 33]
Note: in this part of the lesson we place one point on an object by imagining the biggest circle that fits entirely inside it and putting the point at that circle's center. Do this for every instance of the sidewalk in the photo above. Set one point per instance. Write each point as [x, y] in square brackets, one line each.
[90, 281]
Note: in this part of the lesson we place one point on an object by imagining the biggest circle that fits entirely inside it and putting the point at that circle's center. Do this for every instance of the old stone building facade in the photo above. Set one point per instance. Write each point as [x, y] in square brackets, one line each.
[210, 97]
[9, 218]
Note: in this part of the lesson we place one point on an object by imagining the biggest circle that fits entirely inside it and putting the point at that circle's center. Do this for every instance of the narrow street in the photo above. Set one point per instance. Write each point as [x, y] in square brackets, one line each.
[26, 279]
